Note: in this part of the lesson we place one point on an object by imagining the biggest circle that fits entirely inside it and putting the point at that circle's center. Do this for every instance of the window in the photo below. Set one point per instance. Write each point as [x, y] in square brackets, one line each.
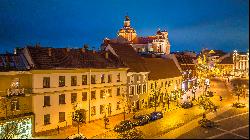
[93, 79]
[61, 81]
[152, 86]
[161, 84]
[102, 78]
[118, 77]
[84, 80]
[166, 83]
[46, 119]
[110, 92]
[46, 82]
[84, 96]
[102, 92]
[131, 79]
[46, 101]
[14, 105]
[132, 90]
[93, 95]
[73, 97]
[118, 105]
[62, 99]
[93, 110]
[109, 78]
[144, 89]
[73, 81]
[61, 116]
[139, 89]
[118, 93]
[101, 109]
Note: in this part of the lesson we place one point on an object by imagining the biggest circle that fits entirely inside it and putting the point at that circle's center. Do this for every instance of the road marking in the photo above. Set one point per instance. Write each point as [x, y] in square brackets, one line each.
[231, 117]
[231, 132]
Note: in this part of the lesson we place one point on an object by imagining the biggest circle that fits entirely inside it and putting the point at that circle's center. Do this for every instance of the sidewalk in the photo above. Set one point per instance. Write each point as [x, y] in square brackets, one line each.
[97, 127]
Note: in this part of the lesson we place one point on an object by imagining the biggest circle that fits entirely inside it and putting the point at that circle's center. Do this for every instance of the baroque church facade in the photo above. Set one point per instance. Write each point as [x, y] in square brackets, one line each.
[158, 43]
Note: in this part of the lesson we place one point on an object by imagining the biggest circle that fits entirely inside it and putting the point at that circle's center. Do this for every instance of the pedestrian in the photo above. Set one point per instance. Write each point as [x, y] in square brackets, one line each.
[220, 98]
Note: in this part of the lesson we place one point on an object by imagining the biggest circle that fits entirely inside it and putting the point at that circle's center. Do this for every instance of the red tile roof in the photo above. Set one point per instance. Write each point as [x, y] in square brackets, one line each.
[129, 57]
[144, 40]
[161, 68]
[74, 58]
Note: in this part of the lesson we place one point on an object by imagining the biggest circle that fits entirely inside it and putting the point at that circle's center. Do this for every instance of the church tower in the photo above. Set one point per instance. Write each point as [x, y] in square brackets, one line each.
[127, 32]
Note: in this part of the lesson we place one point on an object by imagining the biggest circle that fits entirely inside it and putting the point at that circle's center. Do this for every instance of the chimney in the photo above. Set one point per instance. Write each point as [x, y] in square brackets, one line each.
[49, 51]
[106, 55]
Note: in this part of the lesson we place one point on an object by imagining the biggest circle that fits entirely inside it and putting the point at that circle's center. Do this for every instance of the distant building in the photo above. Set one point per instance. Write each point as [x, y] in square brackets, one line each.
[158, 43]
[16, 117]
[164, 77]
[187, 63]
[241, 63]
[226, 65]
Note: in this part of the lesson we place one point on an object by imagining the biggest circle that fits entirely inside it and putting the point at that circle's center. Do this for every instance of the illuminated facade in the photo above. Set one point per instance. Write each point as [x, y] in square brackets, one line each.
[16, 117]
[92, 82]
[164, 81]
[127, 31]
[92, 91]
[137, 74]
[158, 43]
[241, 63]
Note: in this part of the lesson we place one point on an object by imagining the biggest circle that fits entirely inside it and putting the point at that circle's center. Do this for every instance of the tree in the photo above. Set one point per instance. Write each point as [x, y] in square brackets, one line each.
[156, 93]
[238, 91]
[78, 117]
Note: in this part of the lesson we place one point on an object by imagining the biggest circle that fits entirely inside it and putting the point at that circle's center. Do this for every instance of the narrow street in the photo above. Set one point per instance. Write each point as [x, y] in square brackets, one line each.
[220, 89]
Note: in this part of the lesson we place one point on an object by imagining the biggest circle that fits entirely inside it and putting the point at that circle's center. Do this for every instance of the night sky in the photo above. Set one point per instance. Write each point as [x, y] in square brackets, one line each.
[192, 24]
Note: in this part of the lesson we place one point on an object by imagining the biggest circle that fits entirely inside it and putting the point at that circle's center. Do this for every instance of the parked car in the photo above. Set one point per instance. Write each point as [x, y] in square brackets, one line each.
[187, 105]
[209, 94]
[77, 136]
[124, 126]
[155, 116]
[142, 120]
[239, 105]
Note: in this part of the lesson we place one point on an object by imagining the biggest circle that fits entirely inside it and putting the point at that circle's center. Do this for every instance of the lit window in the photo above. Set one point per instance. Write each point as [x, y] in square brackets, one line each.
[61, 81]
[46, 82]
[84, 80]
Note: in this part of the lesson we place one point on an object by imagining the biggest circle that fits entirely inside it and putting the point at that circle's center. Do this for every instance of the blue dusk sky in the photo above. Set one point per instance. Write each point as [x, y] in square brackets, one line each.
[192, 24]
